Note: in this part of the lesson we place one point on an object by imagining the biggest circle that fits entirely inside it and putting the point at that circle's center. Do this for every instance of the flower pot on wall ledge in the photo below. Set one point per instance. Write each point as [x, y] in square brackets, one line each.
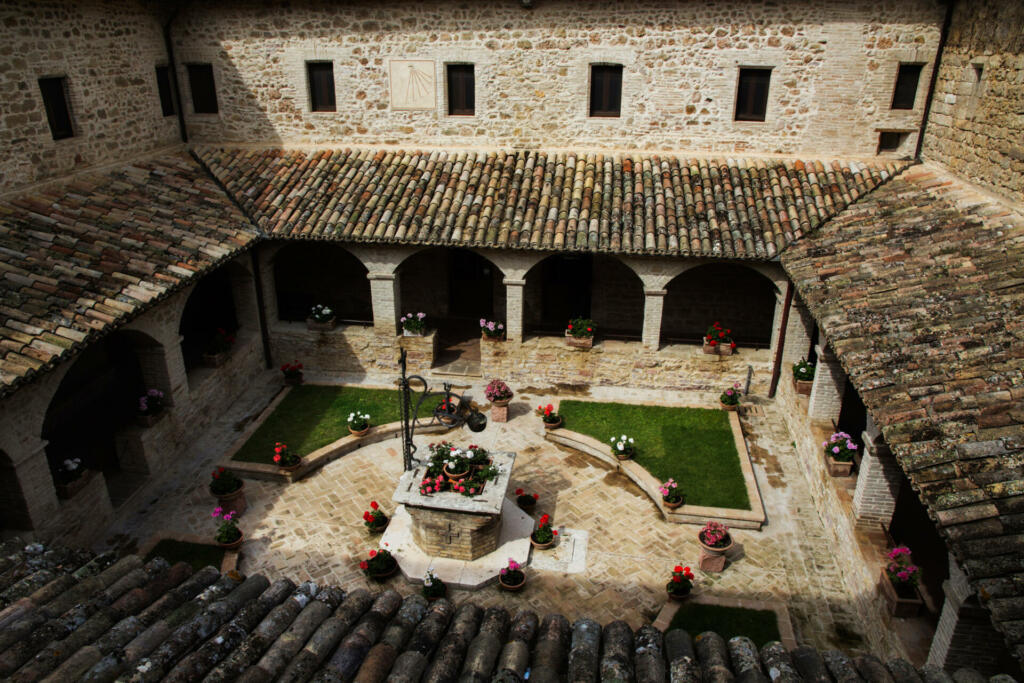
[903, 600]
[731, 407]
[579, 342]
[318, 326]
[215, 360]
[838, 468]
[67, 491]
[803, 386]
[717, 349]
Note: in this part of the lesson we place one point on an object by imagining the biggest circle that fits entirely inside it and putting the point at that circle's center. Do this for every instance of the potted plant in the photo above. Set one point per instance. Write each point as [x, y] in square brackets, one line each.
[839, 452]
[512, 577]
[498, 393]
[718, 340]
[579, 333]
[456, 466]
[680, 584]
[543, 536]
[321, 319]
[714, 538]
[433, 587]
[229, 490]
[551, 419]
[71, 477]
[898, 583]
[228, 534]
[445, 411]
[622, 447]
[526, 501]
[491, 330]
[358, 423]
[803, 377]
[380, 565]
[292, 373]
[375, 519]
[284, 459]
[671, 495]
[151, 408]
[730, 398]
[218, 349]
[413, 325]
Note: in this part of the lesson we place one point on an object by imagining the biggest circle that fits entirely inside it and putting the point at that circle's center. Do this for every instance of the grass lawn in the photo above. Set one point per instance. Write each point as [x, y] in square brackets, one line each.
[694, 446]
[196, 554]
[311, 417]
[760, 625]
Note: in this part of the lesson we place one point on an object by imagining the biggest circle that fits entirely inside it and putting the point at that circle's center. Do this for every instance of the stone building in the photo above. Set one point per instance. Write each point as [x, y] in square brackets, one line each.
[838, 180]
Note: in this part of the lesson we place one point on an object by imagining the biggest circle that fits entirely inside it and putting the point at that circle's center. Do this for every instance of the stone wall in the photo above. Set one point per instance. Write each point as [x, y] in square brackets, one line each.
[834, 66]
[975, 126]
[108, 53]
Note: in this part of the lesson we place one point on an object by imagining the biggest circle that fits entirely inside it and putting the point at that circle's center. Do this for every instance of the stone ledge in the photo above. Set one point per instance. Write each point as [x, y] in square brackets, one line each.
[687, 514]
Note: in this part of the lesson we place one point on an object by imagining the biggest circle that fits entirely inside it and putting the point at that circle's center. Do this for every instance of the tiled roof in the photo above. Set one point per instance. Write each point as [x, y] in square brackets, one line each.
[920, 290]
[80, 258]
[649, 204]
[66, 616]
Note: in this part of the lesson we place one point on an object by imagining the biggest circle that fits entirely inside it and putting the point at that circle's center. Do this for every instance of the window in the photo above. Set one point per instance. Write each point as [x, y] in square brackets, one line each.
[461, 90]
[605, 89]
[163, 86]
[905, 93]
[204, 94]
[752, 94]
[891, 140]
[321, 86]
[55, 100]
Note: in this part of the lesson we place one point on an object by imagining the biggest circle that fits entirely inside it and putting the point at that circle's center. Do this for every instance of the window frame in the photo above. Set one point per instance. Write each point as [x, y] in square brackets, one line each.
[63, 107]
[168, 104]
[611, 68]
[324, 107]
[896, 85]
[213, 85]
[450, 109]
[745, 92]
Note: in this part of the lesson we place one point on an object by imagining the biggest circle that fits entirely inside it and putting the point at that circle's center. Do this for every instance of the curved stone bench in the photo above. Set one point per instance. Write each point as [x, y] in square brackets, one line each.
[754, 518]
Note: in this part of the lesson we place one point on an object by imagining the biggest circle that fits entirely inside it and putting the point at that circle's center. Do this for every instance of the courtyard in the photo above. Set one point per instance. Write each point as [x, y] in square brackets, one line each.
[313, 528]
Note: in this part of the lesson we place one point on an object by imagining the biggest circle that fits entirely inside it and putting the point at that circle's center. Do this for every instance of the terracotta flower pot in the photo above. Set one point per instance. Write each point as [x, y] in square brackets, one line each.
[293, 380]
[622, 456]
[725, 350]
[903, 600]
[710, 350]
[711, 550]
[454, 477]
[676, 594]
[579, 342]
[235, 543]
[671, 506]
[732, 408]
[318, 326]
[494, 338]
[553, 425]
[803, 386]
[541, 546]
[387, 573]
[501, 402]
[526, 503]
[234, 500]
[290, 468]
[838, 468]
[446, 418]
[508, 586]
[375, 529]
[361, 432]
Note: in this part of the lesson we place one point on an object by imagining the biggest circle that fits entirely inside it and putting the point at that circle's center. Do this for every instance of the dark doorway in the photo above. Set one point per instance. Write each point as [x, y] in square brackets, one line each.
[209, 308]
[911, 526]
[309, 274]
[853, 415]
[740, 298]
[557, 290]
[470, 286]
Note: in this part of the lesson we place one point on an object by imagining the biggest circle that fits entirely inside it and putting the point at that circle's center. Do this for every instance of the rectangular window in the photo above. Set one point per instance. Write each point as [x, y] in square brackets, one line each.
[163, 86]
[461, 90]
[752, 94]
[58, 112]
[605, 89]
[891, 140]
[321, 86]
[204, 94]
[905, 93]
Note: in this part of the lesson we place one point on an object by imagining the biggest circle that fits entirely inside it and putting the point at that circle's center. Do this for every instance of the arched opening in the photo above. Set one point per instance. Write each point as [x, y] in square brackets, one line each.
[209, 314]
[14, 514]
[455, 288]
[306, 275]
[599, 287]
[739, 297]
[99, 397]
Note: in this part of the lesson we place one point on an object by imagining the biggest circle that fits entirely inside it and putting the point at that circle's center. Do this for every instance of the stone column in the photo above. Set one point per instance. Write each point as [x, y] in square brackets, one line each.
[514, 309]
[799, 330]
[878, 483]
[384, 298]
[829, 384]
[965, 636]
[31, 475]
[654, 302]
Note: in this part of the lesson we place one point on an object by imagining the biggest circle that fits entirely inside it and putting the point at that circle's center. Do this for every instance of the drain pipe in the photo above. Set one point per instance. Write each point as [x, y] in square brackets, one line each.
[261, 311]
[939, 50]
[173, 68]
[780, 346]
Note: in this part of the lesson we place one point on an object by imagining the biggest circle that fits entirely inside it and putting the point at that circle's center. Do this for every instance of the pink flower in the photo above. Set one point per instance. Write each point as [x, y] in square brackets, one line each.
[835, 449]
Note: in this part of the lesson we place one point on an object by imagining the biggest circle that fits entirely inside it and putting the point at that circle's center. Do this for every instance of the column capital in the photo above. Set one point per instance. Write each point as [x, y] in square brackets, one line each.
[509, 282]
[655, 292]
[380, 276]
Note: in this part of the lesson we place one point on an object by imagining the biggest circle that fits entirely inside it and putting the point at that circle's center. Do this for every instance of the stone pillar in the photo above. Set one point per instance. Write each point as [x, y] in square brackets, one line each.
[878, 482]
[829, 384]
[384, 298]
[654, 302]
[30, 476]
[799, 330]
[514, 309]
[965, 636]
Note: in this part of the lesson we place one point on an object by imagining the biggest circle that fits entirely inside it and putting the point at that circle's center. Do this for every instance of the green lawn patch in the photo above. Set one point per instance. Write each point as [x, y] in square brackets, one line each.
[198, 555]
[310, 417]
[760, 625]
[694, 446]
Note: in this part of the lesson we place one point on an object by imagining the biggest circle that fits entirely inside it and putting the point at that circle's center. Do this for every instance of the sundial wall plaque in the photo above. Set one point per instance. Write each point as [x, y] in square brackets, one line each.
[413, 84]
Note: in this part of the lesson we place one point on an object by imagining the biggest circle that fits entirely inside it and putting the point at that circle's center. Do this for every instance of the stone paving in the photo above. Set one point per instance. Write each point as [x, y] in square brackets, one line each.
[313, 528]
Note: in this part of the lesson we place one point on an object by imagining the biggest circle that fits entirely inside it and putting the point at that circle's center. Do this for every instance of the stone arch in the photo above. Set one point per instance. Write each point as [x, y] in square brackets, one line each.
[210, 308]
[596, 286]
[14, 511]
[456, 285]
[306, 274]
[741, 298]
